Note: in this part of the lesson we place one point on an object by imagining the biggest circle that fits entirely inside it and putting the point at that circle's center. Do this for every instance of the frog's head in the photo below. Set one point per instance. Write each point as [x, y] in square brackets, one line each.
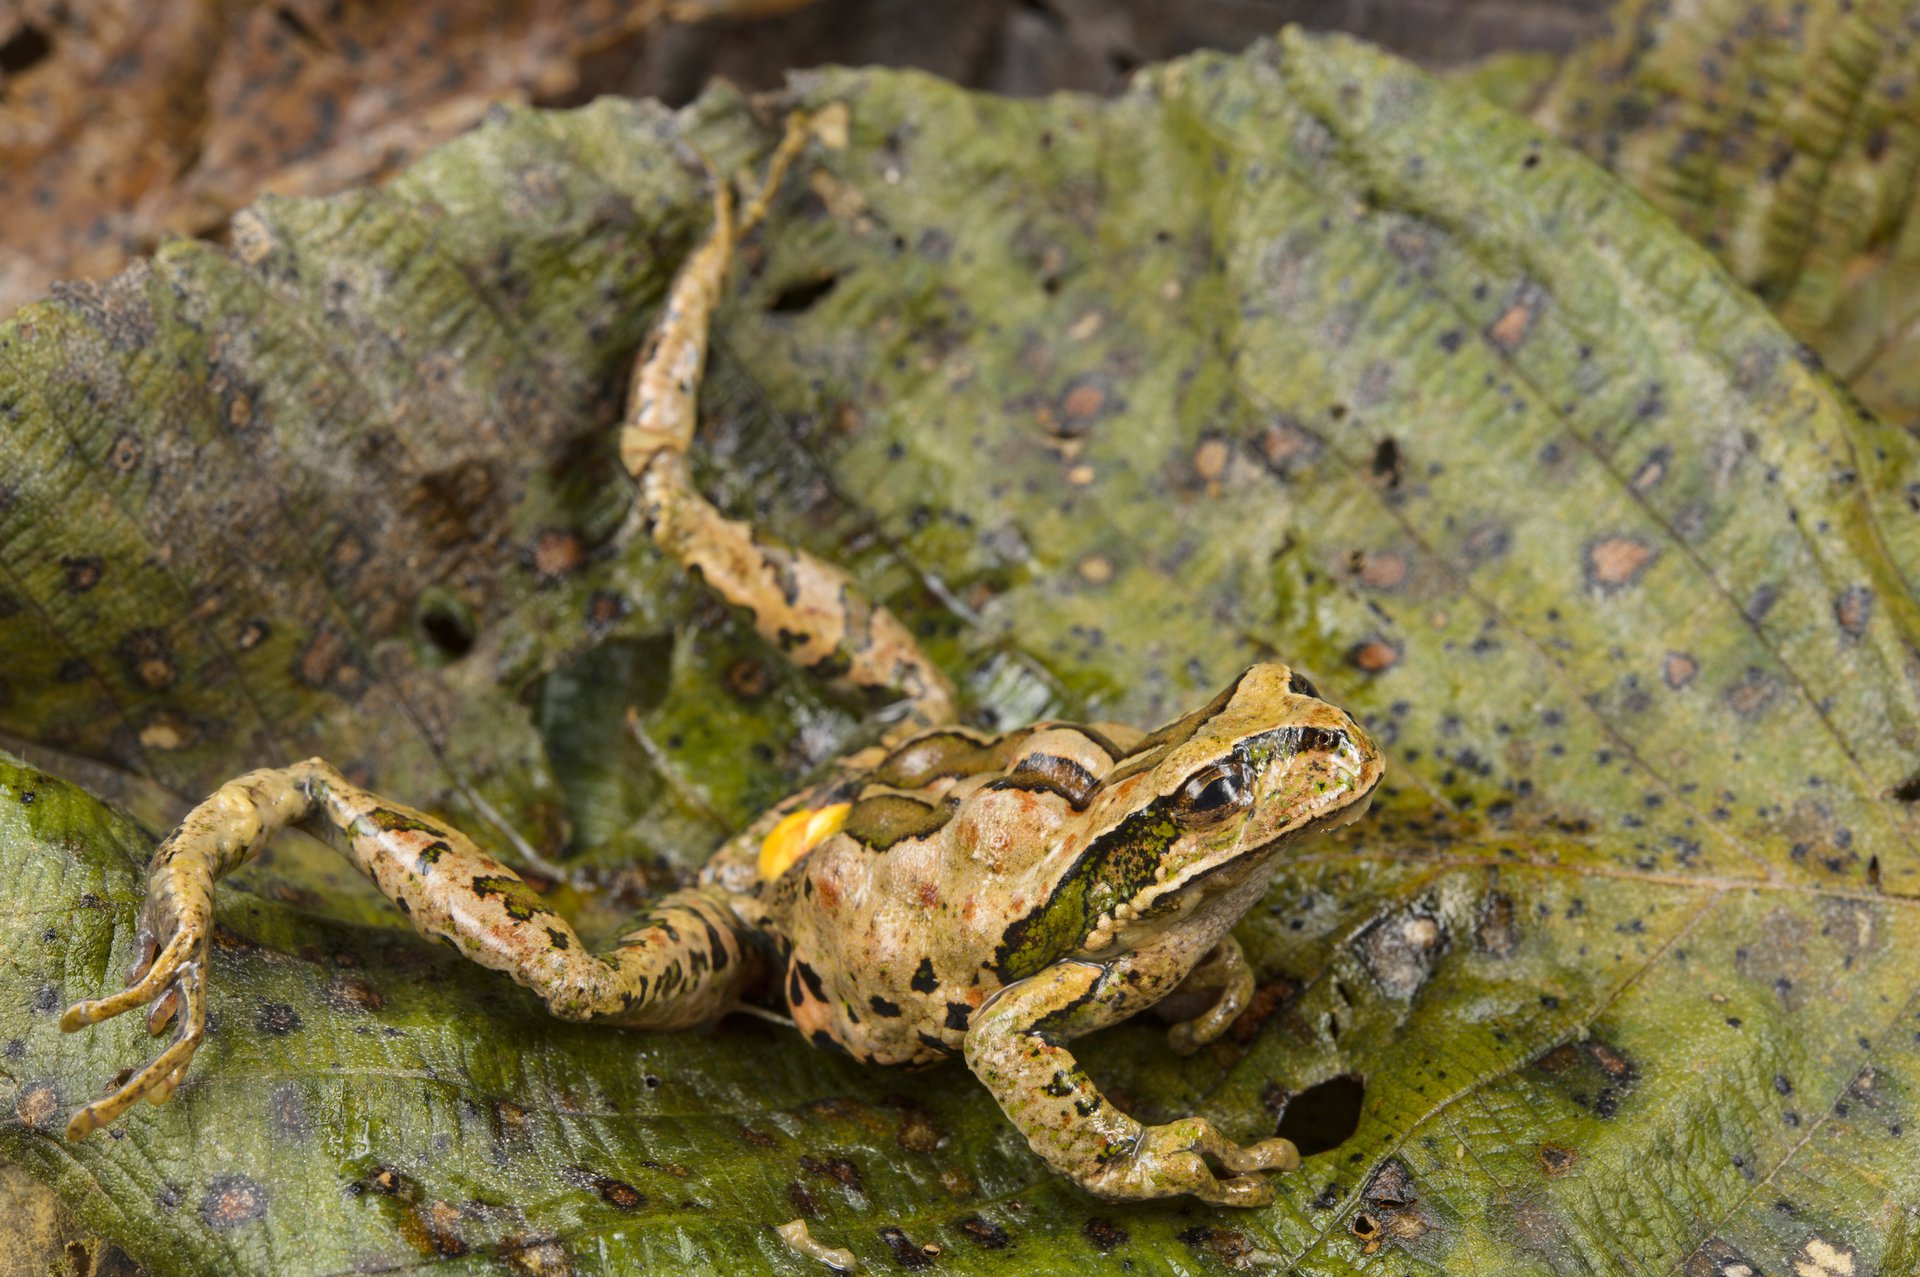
[1188, 820]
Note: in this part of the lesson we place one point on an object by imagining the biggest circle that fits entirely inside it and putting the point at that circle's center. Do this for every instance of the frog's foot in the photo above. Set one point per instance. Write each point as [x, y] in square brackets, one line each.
[176, 927]
[1224, 970]
[1182, 1157]
[172, 982]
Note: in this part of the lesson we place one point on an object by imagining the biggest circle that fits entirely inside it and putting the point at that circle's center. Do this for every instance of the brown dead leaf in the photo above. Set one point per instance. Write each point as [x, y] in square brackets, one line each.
[123, 121]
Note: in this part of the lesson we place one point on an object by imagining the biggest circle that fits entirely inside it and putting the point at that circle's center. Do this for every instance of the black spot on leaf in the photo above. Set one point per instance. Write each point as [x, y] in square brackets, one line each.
[233, 1200]
[277, 1019]
[1104, 1233]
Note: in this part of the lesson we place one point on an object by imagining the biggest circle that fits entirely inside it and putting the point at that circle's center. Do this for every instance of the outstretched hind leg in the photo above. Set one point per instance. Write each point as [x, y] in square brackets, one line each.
[688, 959]
[811, 610]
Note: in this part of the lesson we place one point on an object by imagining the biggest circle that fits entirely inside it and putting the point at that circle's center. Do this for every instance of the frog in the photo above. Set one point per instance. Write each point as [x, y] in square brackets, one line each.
[945, 892]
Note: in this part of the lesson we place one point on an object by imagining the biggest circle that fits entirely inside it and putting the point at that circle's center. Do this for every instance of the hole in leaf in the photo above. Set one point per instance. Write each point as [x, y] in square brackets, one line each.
[446, 624]
[1907, 791]
[799, 298]
[28, 47]
[1323, 1116]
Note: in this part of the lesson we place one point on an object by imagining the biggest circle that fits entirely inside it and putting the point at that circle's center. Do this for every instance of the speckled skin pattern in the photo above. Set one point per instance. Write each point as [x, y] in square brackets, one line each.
[988, 895]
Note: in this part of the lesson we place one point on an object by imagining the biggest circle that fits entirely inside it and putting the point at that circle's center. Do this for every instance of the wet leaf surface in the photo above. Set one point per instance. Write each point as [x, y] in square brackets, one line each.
[1300, 353]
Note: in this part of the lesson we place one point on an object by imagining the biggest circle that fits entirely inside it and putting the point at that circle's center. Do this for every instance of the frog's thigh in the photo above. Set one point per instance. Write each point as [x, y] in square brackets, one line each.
[1014, 1046]
[1225, 975]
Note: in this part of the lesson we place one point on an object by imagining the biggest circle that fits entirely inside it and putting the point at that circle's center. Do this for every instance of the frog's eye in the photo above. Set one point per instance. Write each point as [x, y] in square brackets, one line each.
[1300, 685]
[1212, 795]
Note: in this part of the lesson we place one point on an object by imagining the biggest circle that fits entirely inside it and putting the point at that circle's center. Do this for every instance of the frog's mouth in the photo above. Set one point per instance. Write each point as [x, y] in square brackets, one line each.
[1339, 818]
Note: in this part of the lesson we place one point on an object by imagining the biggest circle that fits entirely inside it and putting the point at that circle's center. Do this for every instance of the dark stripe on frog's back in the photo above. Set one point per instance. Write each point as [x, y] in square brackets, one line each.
[1051, 774]
[954, 753]
[947, 752]
[374, 823]
[884, 819]
[881, 820]
[1115, 866]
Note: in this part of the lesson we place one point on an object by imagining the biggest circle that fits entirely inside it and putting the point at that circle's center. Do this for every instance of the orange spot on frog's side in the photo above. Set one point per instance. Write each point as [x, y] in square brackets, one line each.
[798, 833]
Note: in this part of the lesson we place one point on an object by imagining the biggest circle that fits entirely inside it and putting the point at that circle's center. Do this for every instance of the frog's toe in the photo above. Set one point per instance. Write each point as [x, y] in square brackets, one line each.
[161, 1013]
[163, 1090]
[1244, 1190]
[155, 1083]
[1190, 1173]
[1188, 1156]
[1184, 1038]
[173, 981]
[1267, 1155]
[160, 973]
[1148, 1176]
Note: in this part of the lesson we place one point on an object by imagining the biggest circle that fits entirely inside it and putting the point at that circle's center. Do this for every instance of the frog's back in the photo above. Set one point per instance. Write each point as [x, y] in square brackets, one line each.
[895, 922]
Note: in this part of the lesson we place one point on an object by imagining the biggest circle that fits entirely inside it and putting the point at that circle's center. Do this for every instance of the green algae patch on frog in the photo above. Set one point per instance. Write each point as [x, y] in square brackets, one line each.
[1295, 353]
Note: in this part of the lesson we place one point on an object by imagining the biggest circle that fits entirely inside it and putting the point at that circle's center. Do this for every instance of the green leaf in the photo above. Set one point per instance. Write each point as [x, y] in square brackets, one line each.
[1785, 137]
[1299, 352]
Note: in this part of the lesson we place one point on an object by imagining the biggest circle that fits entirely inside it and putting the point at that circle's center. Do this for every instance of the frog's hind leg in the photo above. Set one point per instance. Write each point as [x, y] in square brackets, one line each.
[810, 609]
[689, 959]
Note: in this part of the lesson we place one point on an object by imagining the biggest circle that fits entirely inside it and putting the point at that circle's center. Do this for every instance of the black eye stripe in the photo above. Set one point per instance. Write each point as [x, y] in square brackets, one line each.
[1300, 685]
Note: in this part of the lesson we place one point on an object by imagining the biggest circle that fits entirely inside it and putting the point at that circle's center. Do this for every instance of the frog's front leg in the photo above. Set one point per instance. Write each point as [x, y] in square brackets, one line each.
[1225, 975]
[1014, 1046]
[815, 613]
[687, 960]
